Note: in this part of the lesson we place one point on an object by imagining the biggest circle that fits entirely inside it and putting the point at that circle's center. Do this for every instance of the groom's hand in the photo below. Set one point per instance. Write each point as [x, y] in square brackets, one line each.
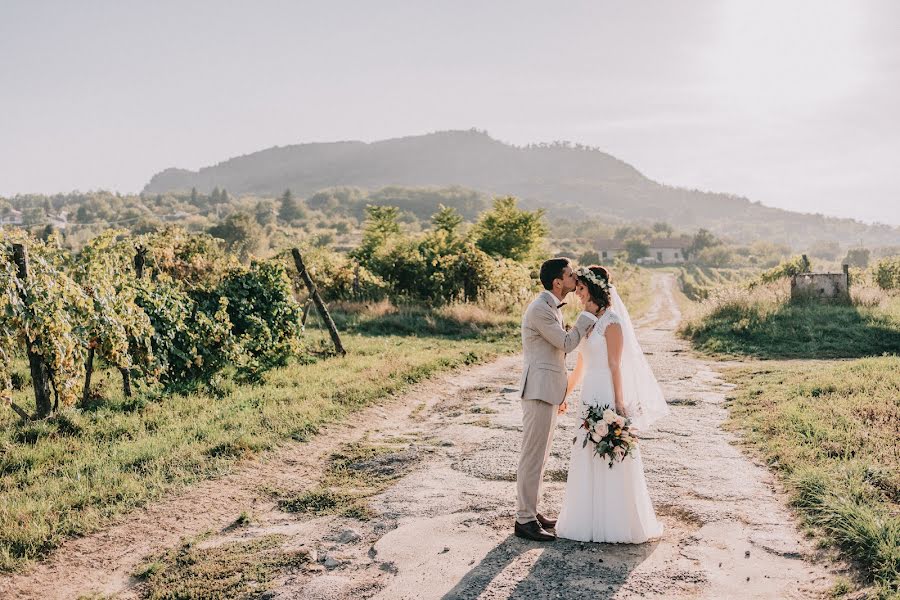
[563, 408]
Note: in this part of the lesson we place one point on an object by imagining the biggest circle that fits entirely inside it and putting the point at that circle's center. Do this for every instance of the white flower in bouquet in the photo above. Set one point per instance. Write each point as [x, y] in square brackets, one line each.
[609, 416]
[596, 437]
[602, 429]
[620, 420]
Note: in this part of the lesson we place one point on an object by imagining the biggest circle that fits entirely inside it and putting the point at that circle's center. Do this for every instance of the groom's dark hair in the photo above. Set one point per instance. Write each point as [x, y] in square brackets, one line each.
[552, 269]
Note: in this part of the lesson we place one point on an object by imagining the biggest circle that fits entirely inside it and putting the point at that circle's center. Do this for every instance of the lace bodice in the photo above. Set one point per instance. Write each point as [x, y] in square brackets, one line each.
[593, 347]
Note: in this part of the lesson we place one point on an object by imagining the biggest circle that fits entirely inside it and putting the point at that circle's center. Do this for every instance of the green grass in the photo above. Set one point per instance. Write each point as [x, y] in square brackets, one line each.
[68, 475]
[763, 324]
[831, 429]
[354, 474]
[240, 570]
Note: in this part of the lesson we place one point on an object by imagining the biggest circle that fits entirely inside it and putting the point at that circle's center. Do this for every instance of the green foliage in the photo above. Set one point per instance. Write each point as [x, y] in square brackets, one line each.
[702, 239]
[447, 219]
[264, 316]
[509, 232]
[117, 328]
[191, 345]
[241, 233]
[381, 226]
[886, 273]
[857, 257]
[54, 318]
[636, 249]
[591, 257]
[788, 268]
[663, 228]
[715, 256]
[337, 276]
[290, 209]
[193, 259]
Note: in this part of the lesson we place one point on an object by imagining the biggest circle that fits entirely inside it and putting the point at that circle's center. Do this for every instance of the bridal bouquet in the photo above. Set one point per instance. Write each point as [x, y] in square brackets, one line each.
[609, 432]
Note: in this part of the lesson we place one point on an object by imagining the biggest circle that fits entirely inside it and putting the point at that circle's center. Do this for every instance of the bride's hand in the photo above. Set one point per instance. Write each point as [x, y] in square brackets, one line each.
[563, 407]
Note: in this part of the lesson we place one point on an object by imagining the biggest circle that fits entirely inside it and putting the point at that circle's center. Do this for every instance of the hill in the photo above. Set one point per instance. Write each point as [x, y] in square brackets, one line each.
[572, 180]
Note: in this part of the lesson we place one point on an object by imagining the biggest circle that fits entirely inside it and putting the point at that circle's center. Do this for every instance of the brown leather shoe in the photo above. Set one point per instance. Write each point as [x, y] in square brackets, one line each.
[533, 531]
[545, 522]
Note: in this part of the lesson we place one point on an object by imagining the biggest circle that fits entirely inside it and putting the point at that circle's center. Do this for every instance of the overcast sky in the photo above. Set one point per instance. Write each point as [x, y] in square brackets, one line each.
[790, 102]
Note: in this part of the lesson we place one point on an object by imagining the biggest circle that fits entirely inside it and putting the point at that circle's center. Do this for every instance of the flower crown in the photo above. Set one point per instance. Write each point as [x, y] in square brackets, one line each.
[586, 273]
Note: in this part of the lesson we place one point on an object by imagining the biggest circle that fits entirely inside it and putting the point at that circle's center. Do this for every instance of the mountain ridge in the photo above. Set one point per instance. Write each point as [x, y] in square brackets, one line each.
[572, 179]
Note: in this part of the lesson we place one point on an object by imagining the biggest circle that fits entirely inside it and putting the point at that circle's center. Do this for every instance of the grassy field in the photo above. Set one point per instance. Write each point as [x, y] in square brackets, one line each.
[832, 430]
[69, 474]
[763, 323]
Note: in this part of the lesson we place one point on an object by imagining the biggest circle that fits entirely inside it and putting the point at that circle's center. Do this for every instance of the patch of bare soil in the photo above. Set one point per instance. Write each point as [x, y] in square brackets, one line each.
[441, 527]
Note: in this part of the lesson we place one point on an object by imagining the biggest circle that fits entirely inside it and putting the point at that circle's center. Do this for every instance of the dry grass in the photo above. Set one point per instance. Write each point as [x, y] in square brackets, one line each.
[472, 314]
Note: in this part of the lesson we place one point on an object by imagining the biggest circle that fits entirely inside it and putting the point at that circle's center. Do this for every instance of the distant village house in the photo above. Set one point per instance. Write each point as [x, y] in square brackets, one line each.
[11, 217]
[663, 251]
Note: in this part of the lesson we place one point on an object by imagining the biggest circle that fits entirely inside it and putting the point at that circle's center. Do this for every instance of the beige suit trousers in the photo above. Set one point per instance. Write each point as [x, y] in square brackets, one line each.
[538, 424]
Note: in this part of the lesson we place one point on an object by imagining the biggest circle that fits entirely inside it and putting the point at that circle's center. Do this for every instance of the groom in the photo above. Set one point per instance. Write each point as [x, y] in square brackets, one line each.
[545, 343]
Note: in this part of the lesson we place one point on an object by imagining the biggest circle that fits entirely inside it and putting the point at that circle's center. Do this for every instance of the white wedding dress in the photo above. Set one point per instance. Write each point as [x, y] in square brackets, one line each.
[604, 504]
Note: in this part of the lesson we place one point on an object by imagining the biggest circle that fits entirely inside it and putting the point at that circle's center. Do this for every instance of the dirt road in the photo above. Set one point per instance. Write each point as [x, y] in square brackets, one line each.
[444, 530]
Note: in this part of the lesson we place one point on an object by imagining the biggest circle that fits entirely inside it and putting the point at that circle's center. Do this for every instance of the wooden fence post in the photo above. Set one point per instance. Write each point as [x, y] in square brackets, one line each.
[306, 308]
[140, 258]
[320, 306]
[40, 372]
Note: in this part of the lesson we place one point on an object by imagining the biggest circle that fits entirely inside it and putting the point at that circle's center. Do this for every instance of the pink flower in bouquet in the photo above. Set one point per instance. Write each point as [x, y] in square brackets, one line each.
[609, 416]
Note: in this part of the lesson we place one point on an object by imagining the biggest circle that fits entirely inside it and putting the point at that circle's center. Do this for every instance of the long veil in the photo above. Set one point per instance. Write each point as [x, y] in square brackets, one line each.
[642, 396]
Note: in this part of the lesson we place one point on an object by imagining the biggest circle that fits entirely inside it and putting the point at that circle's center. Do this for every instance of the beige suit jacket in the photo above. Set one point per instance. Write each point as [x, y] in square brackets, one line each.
[545, 343]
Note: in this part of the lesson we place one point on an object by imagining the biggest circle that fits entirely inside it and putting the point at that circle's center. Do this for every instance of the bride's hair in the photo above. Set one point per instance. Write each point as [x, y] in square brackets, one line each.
[599, 295]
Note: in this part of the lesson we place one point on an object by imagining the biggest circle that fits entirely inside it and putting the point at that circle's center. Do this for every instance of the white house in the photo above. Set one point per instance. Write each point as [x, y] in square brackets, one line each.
[664, 251]
[13, 217]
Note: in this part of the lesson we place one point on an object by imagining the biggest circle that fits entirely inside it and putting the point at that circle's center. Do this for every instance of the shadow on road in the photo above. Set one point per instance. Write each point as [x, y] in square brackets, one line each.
[561, 569]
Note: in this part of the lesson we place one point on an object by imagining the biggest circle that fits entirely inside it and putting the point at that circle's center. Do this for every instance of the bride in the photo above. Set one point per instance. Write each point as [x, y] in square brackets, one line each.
[602, 503]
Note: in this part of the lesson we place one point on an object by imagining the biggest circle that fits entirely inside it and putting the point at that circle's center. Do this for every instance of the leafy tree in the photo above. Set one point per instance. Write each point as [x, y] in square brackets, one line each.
[702, 239]
[509, 231]
[857, 257]
[591, 257]
[241, 233]
[663, 228]
[194, 196]
[635, 249]
[382, 224]
[290, 209]
[447, 219]
[265, 213]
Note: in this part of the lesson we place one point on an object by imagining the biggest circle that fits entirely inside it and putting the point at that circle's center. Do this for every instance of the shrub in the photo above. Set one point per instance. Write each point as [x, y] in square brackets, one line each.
[265, 317]
[886, 273]
[190, 345]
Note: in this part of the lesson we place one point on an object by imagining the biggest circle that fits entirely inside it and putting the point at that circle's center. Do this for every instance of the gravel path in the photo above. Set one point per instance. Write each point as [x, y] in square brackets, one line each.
[444, 530]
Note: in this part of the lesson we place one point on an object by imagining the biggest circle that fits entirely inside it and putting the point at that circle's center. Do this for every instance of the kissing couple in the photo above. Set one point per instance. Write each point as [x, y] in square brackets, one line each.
[605, 501]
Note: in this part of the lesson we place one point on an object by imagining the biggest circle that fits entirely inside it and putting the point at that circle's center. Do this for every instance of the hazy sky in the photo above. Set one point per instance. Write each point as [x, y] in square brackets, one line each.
[790, 102]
